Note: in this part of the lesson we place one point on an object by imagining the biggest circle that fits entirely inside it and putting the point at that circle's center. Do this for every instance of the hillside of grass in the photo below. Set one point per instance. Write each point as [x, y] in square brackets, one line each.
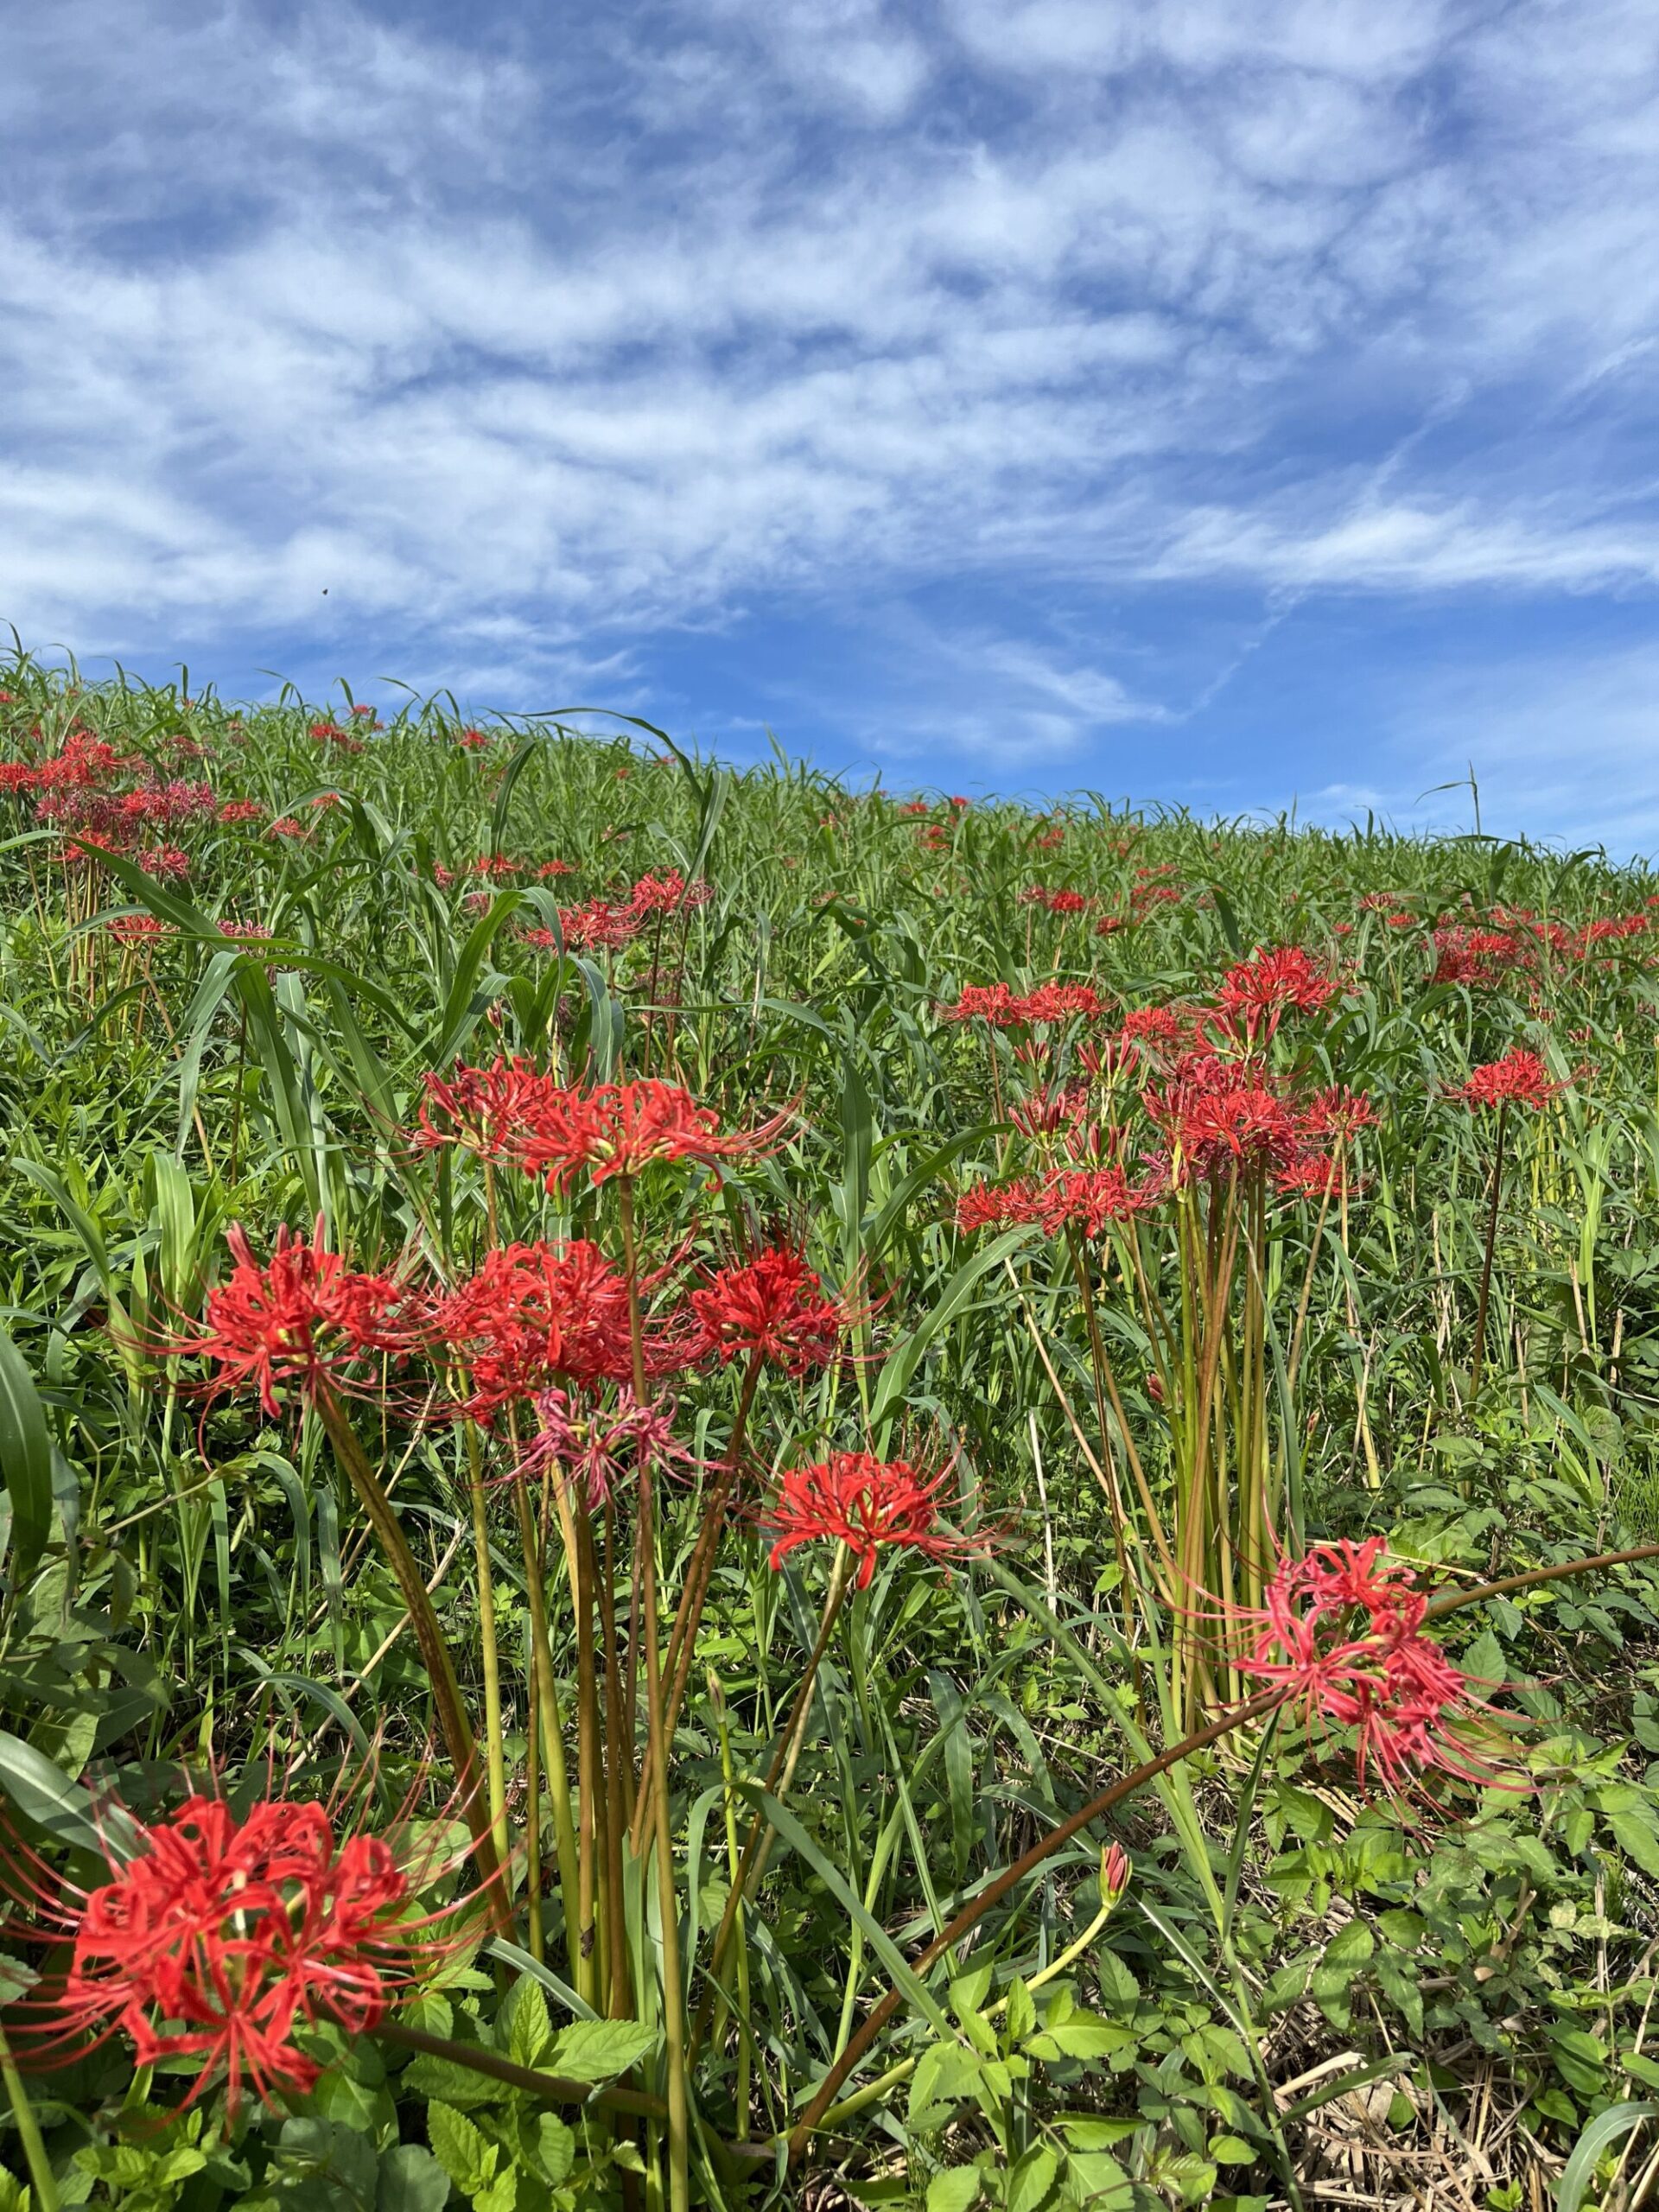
[1055, 1373]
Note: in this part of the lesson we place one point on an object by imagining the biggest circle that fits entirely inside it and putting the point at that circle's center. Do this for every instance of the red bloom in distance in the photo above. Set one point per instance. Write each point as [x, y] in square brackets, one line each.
[301, 1320]
[220, 1937]
[865, 1503]
[773, 1306]
[1520, 1079]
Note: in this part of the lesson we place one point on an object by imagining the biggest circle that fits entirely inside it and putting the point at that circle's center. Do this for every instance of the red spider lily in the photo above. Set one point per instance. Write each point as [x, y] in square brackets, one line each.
[1222, 1115]
[483, 1110]
[301, 1321]
[1466, 956]
[287, 826]
[980, 1002]
[593, 1446]
[1055, 902]
[620, 1128]
[997, 1206]
[865, 1503]
[241, 809]
[1338, 1112]
[548, 869]
[1258, 993]
[1520, 1079]
[533, 1316]
[1339, 1636]
[1091, 1199]
[666, 895]
[219, 1939]
[1044, 1112]
[138, 928]
[598, 926]
[773, 1307]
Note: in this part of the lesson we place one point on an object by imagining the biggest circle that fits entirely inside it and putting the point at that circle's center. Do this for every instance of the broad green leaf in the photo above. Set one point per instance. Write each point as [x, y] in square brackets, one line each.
[597, 2050]
[25, 1461]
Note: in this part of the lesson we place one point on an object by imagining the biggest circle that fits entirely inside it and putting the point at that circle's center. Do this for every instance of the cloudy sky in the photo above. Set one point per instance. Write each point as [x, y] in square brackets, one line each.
[1223, 401]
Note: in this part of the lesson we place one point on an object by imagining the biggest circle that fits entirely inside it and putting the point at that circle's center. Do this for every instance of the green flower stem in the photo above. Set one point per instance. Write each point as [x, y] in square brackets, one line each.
[41, 2178]
[453, 1722]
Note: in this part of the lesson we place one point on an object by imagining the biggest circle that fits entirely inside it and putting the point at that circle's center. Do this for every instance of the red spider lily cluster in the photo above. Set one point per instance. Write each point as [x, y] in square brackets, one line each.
[610, 924]
[1000, 1005]
[220, 1939]
[1520, 1079]
[871, 1506]
[1339, 1636]
[1055, 902]
[510, 1112]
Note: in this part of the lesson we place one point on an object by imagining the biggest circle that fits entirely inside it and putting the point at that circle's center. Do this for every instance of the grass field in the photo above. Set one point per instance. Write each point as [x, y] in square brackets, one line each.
[925, 1398]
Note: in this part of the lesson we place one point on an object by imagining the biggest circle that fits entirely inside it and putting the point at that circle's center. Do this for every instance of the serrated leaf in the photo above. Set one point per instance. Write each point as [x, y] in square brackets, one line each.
[1032, 2178]
[597, 2050]
[529, 2029]
[954, 2189]
[464, 2154]
[450, 2084]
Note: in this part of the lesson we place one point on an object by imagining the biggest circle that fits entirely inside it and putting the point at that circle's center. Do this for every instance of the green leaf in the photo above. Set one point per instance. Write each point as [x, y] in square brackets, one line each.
[412, 2180]
[46, 1795]
[1080, 2038]
[1231, 2150]
[25, 1461]
[555, 2148]
[459, 2086]
[954, 2189]
[465, 2155]
[529, 2031]
[1602, 2134]
[597, 2050]
[1032, 2178]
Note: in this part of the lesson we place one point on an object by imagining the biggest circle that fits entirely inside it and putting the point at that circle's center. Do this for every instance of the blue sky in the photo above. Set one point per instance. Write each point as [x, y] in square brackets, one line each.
[1223, 401]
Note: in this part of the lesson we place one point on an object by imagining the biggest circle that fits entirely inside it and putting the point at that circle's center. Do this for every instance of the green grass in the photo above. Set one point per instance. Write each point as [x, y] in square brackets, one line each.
[191, 1586]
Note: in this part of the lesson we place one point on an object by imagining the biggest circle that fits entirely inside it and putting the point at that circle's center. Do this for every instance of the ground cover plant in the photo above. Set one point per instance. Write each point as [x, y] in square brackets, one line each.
[722, 1491]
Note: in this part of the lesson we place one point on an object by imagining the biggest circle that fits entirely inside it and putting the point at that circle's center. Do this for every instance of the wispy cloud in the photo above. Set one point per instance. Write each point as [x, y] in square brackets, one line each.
[533, 348]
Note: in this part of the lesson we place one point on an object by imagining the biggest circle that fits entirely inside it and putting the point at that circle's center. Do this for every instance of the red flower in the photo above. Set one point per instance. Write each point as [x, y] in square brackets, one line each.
[774, 1307]
[1221, 1116]
[1339, 1635]
[980, 1002]
[221, 1937]
[301, 1320]
[138, 929]
[620, 1128]
[591, 1445]
[485, 1110]
[1088, 1198]
[1056, 902]
[666, 895]
[533, 1315]
[1520, 1079]
[1258, 993]
[864, 1502]
[241, 809]
[996, 1205]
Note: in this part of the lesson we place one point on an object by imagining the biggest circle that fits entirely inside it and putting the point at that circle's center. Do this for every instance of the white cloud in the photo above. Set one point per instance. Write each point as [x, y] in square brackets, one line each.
[821, 296]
